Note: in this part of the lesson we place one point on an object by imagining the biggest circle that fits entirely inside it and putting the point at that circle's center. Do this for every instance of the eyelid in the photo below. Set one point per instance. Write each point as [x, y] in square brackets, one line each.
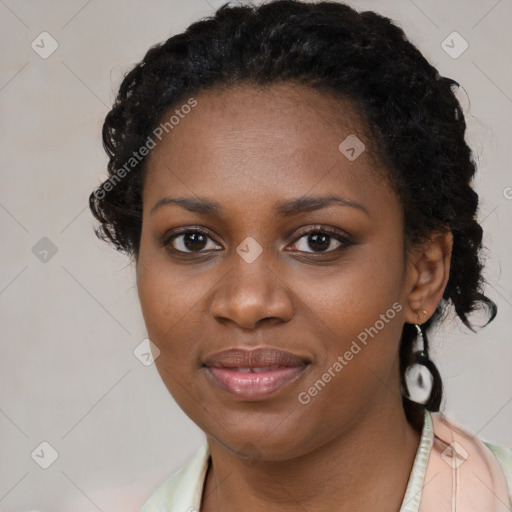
[340, 235]
[322, 228]
[173, 233]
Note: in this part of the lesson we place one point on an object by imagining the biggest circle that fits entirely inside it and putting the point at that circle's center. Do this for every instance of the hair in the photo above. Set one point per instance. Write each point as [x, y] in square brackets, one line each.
[413, 117]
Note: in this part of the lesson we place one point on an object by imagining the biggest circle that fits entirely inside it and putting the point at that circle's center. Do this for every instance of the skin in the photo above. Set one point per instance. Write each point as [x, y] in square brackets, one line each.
[351, 447]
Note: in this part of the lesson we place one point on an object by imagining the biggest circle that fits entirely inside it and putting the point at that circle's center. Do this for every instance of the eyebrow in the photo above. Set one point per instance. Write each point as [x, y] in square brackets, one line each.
[287, 208]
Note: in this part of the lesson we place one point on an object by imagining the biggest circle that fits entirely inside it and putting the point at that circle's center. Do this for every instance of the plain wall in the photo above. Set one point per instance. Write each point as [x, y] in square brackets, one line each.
[69, 325]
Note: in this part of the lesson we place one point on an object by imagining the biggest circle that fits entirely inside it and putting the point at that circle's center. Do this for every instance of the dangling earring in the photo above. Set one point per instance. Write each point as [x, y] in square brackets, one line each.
[422, 363]
[420, 371]
[421, 356]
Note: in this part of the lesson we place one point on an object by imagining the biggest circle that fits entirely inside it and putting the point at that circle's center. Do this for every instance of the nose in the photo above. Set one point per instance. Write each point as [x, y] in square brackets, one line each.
[251, 294]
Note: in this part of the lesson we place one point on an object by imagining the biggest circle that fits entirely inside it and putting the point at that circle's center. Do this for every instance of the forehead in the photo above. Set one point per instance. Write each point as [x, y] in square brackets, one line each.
[264, 142]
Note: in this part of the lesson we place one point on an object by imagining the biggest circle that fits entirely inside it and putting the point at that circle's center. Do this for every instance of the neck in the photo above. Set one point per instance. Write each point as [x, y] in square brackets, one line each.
[365, 468]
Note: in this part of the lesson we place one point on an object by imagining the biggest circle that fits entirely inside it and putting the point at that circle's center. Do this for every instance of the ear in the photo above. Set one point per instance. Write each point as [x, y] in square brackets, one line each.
[427, 275]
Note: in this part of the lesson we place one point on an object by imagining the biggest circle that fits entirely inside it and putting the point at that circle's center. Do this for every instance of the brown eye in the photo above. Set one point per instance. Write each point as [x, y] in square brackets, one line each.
[190, 241]
[321, 239]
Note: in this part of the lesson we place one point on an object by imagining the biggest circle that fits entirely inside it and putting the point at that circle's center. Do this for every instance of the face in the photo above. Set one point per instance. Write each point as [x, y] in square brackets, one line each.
[277, 313]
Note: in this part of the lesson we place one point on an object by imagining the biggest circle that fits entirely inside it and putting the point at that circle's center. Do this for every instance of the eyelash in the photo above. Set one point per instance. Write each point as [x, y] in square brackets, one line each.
[343, 239]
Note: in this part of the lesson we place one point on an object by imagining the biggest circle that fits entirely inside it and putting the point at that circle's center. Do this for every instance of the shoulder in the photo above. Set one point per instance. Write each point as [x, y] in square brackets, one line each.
[504, 456]
[182, 490]
[482, 461]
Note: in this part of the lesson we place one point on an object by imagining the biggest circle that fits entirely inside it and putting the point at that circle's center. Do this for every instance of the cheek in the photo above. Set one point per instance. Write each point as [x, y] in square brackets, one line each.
[168, 299]
[363, 310]
[169, 308]
[365, 287]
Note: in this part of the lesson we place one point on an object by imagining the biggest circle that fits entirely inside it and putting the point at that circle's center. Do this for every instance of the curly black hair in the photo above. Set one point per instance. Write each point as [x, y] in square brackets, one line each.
[411, 112]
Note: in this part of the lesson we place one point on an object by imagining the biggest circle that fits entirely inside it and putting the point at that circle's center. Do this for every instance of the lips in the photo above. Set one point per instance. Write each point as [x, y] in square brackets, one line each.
[254, 374]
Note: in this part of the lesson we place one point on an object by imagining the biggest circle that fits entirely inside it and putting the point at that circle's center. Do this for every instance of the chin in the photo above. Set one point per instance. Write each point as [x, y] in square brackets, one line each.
[256, 439]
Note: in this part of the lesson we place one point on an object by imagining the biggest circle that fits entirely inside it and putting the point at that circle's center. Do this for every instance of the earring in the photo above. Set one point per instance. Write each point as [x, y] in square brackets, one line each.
[420, 371]
[419, 316]
[421, 355]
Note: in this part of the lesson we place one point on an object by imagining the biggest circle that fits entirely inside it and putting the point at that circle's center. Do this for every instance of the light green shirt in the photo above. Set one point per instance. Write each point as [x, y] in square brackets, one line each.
[183, 490]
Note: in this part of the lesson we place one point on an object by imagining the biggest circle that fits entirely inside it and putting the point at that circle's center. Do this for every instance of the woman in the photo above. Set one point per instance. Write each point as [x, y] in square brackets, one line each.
[293, 184]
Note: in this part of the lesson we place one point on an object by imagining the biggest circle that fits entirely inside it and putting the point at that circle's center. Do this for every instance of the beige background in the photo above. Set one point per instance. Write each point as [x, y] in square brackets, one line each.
[69, 325]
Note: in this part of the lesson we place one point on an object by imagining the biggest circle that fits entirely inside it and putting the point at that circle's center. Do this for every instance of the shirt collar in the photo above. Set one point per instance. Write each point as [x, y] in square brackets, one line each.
[412, 497]
[183, 491]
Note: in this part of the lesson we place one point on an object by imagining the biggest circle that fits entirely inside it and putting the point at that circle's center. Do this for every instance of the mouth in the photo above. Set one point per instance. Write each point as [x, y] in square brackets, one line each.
[256, 374]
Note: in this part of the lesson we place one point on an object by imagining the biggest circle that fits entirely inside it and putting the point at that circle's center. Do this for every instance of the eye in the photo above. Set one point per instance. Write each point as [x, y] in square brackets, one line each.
[320, 238]
[190, 241]
[196, 241]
